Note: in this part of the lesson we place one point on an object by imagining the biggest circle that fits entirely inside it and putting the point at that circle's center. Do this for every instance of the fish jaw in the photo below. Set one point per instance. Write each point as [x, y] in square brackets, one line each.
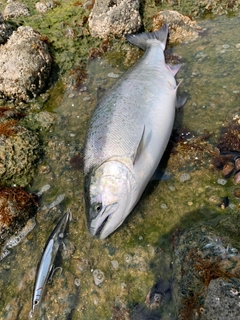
[110, 192]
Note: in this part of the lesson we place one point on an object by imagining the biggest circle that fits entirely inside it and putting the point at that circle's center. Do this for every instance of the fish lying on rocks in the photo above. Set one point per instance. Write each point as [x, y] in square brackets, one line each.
[127, 135]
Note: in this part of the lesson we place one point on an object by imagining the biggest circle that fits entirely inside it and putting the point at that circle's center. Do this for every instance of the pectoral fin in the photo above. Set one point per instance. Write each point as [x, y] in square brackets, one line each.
[180, 101]
[139, 147]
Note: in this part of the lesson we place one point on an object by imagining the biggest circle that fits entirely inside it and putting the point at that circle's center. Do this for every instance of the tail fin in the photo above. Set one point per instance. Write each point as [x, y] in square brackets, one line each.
[140, 39]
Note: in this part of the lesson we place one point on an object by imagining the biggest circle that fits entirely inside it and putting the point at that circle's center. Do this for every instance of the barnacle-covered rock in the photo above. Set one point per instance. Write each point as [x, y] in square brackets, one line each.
[181, 28]
[25, 63]
[114, 18]
[19, 151]
[15, 9]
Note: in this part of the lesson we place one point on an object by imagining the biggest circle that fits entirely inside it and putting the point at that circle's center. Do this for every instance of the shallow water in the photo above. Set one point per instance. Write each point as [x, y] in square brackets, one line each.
[139, 253]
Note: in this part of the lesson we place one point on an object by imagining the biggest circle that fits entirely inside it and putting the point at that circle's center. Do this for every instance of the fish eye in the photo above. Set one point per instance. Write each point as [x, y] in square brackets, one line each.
[97, 207]
[36, 302]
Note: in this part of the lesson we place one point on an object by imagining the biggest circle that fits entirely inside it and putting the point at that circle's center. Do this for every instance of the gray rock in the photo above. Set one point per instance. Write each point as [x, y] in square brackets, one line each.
[25, 64]
[112, 18]
[15, 9]
[5, 30]
[222, 300]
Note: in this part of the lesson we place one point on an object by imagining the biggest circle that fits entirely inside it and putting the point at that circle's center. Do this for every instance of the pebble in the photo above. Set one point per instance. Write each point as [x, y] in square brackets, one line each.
[77, 282]
[113, 75]
[45, 188]
[222, 181]
[163, 206]
[128, 258]
[98, 277]
[184, 177]
[115, 264]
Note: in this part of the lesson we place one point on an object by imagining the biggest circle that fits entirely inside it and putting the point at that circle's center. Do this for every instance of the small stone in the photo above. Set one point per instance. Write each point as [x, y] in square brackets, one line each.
[98, 276]
[184, 177]
[115, 264]
[222, 181]
[163, 206]
[113, 75]
[128, 258]
[77, 282]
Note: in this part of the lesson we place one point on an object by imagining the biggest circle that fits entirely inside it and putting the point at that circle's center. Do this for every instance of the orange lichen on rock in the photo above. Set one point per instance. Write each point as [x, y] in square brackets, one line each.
[16, 207]
[8, 128]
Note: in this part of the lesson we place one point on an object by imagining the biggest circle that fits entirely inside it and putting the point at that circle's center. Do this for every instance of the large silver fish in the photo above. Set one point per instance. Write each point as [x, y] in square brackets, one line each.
[127, 135]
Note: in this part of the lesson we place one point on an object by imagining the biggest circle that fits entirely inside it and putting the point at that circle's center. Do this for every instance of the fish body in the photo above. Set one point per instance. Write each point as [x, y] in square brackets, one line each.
[127, 135]
[45, 266]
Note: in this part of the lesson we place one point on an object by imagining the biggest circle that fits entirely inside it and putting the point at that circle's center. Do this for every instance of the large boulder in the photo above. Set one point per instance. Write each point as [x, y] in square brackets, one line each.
[25, 64]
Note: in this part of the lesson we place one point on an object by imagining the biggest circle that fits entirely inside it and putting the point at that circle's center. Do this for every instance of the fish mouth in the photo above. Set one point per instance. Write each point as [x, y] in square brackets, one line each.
[99, 224]
[97, 232]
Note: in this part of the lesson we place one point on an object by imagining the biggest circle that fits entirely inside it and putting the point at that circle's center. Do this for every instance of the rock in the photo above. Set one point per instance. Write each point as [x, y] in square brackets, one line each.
[202, 260]
[181, 28]
[222, 300]
[25, 64]
[111, 18]
[43, 7]
[5, 30]
[15, 9]
[18, 153]
[40, 121]
[16, 207]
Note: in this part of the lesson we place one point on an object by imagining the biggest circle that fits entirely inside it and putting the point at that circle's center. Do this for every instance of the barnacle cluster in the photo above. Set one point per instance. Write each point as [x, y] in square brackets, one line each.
[19, 150]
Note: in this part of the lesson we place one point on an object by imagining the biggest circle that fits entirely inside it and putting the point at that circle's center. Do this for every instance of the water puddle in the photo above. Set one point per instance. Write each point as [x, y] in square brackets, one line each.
[106, 279]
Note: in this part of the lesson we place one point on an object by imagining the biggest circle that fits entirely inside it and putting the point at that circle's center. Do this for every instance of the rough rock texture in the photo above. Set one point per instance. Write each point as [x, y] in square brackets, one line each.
[111, 18]
[216, 7]
[25, 63]
[16, 207]
[15, 9]
[181, 28]
[18, 153]
[203, 260]
[222, 300]
[43, 7]
[5, 30]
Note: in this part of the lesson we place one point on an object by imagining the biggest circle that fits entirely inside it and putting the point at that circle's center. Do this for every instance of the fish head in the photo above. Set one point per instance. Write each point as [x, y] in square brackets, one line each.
[108, 197]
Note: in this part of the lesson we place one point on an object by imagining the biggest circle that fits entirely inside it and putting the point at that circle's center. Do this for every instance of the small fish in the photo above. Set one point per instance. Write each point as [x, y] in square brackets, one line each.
[128, 134]
[45, 266]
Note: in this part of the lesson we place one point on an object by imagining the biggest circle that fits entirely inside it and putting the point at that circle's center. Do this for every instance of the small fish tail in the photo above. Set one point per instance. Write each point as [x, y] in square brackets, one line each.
[141, 39]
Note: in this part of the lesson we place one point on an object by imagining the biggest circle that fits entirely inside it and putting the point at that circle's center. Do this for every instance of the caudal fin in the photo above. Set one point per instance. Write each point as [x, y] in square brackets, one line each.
[140, 39]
